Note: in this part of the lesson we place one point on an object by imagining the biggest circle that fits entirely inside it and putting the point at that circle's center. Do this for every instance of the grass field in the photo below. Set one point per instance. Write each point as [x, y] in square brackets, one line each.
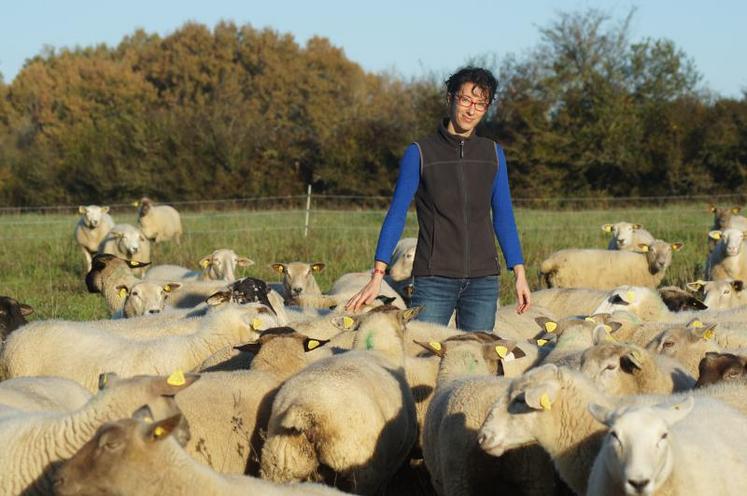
[41, 265]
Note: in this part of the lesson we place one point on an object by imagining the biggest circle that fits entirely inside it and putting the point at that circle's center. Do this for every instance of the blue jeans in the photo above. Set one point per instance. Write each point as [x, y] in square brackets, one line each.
[474, 299]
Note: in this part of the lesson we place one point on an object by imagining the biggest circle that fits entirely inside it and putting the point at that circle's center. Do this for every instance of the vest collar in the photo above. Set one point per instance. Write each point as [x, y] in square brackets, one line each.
[451, 139]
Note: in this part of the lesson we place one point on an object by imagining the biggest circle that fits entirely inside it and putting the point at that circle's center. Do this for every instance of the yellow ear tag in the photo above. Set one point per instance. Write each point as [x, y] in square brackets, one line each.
[709, 334]
[204, 264]
[589, 319]
[435, 345]
[122, 293]
[545, 402]
[607, 329]
[257, 324]
[176, 379]
[630, 295]
[167, 288]
[347, 322]
[636, 356]
[644, 249]
[502, 351]
[313, 343]
[541, 342]
[551, 326]
[135, 204]
[159, 431]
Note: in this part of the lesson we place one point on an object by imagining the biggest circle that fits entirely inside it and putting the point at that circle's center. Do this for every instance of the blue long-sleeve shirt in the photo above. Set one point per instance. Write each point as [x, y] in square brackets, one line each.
[407, 185]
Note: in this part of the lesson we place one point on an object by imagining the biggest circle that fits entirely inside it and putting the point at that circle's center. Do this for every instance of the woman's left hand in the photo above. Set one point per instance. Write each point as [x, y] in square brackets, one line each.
[523, 295]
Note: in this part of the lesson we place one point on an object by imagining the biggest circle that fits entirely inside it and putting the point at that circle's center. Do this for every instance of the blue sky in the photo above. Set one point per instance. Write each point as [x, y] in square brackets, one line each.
[411, 38]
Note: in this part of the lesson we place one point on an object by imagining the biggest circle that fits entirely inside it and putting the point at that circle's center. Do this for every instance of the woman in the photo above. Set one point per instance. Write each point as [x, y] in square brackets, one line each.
[457, 180]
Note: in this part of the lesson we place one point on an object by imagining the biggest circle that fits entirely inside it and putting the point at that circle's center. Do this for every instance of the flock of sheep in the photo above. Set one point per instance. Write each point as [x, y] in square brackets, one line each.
[202, 383]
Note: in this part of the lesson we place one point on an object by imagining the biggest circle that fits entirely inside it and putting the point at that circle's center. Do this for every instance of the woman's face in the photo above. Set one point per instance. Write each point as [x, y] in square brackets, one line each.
[467, 108]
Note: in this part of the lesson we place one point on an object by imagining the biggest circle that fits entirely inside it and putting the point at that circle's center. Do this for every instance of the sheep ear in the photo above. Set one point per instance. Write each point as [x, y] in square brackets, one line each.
[715, 235]
[601, 414]
[598, 318]
[158, 431]
[252, 348]
[82, 210]
[244, 262]
[675, 412]
[169, 386]
[601, 334]
[122, 291]
[104, 210]
[386, 300]
[677, 246]
[712, 208]
[631, 361]
[171, 286]
[408, 314]
[547, 324]
[737, 285]
[704, 331]
[736, 210]
[542, 396]
[695, 286]
[218, 298]
[279, 268]
[205, 262]
[317, 267]
[26, 310]
[607, 228]
[346, 322]
[312, 344]
[134, 264]
[143, 414]
[106, 379]
[636, 226]
[434, 347]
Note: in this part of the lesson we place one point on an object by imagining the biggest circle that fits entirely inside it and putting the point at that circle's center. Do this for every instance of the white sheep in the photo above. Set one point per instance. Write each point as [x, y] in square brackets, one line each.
[728, 260]
[42, 394]
[688, 447]
[228, 411]
[568, 302]
[687, 344]
[34, 442]
[81, 354]
[133, 456]
[92, 227]
[721, 295]
[353, 413]
[108, 272]
[607, 269]
[220, 265]
[627, 236]
[146, 297]
[725, 218]
[622, 369]
[159, 222]
[298, 278]
[402, 259]
[343, 289]
[128, 242]
[468, 386]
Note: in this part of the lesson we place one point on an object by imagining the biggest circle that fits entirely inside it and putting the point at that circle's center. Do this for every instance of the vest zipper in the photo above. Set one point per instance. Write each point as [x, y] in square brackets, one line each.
[464, 209]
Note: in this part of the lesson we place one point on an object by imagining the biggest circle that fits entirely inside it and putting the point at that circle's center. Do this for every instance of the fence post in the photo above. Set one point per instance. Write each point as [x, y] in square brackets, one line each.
[308, 209]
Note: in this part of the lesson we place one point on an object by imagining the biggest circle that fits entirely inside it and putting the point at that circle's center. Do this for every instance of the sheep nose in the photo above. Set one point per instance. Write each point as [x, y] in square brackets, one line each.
[639, 485]
[297, 290]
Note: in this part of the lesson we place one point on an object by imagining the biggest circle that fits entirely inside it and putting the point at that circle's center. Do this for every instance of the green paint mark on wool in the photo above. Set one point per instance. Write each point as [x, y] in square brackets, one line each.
[369, 340]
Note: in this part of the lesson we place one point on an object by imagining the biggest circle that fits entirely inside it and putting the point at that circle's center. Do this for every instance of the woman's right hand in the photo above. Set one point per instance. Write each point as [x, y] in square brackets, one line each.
[366, 295]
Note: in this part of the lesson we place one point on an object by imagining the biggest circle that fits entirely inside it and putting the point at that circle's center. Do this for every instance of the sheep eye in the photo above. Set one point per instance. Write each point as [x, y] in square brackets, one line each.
[733, 373]
[664, 436]
[611, 366]
[668, 344]
[135, 293]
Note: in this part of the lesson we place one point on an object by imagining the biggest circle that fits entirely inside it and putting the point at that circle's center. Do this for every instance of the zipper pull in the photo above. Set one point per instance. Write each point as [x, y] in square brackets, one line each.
[461, 149]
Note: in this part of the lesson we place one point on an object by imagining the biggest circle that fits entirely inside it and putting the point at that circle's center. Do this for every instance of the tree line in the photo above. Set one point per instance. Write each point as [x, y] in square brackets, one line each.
[236, 111]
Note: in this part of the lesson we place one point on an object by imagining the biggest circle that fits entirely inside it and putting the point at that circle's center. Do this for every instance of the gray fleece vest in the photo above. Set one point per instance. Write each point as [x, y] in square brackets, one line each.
[456, 237]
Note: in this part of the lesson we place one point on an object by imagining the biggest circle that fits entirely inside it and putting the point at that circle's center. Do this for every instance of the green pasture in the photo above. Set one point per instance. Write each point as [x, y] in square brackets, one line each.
[41, 265]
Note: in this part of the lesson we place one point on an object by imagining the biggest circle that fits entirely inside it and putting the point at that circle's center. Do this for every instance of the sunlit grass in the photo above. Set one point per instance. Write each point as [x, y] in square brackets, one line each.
[41, 265]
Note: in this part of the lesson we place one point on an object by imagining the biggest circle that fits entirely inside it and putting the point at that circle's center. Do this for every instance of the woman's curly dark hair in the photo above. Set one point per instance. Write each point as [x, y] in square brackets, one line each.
[480, 77]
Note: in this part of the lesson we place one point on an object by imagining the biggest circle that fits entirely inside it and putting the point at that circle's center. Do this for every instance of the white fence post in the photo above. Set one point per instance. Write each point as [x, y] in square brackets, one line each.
[308, 209]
